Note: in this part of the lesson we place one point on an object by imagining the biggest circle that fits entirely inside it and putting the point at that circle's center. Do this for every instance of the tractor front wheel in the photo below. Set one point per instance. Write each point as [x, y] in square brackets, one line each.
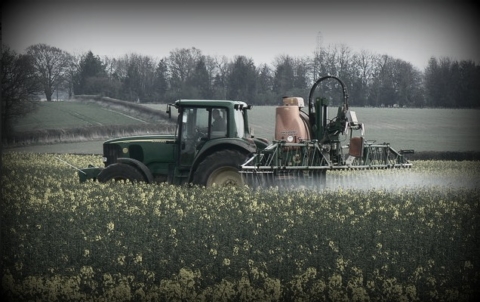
[120, 171]
[220, 168]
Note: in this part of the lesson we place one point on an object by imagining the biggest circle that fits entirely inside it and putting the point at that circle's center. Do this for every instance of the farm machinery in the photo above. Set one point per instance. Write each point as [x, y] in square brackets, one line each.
[307, 144]
[213, 144]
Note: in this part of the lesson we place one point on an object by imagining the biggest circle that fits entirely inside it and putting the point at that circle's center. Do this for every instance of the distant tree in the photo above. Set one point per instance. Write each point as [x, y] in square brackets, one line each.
[301, 79]
[199, 81]
[364, 63]
[317, 64]
[132, 82]
[181, 64]
[91, 76]
[291, 77]
[265, 78]
[469, 90]
[110, 82]
[345, 63]
[160, 85]
[449, 83]
[396, 83]
[242, 80]
[71, 73]
[330, 61]
[408, 83]
[138, 83]
[50, 66]
[437, 82]
[19, 88]
[326, 62]
[265, 86]
[382, 91]
[219, 85]
[211, 66]
[284, 78]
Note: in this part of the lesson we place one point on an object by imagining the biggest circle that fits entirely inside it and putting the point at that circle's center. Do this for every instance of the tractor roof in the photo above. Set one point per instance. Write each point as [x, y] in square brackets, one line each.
[209, 103]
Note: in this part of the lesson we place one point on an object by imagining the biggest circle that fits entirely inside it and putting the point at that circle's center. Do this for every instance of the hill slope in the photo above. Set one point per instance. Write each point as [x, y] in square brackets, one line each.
[87, 118]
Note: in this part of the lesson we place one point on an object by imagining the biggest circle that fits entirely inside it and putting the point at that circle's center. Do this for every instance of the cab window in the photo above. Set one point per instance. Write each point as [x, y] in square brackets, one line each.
[219, 123]
[239, 123]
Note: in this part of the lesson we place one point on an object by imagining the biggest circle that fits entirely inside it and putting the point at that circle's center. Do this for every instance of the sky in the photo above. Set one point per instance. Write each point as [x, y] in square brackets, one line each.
[413, 31]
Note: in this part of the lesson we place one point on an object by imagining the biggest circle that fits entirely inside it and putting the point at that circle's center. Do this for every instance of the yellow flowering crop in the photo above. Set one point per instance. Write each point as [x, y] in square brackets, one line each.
[68, 241]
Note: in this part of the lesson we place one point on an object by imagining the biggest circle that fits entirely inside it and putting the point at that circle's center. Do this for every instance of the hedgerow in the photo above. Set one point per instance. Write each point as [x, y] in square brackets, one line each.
[68, 241]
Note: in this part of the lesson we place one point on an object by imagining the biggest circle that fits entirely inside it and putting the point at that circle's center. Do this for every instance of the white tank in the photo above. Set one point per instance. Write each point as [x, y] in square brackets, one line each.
[289, 126]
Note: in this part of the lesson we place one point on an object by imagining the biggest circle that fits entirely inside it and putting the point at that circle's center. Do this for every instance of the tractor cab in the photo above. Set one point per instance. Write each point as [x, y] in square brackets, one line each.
[203, 123]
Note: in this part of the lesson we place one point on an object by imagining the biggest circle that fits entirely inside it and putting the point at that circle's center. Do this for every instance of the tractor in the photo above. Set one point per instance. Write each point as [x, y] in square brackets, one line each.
[213, 144]
[211, 141]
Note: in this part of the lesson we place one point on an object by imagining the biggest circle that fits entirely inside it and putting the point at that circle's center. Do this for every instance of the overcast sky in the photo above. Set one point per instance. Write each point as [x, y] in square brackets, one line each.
[412, 31]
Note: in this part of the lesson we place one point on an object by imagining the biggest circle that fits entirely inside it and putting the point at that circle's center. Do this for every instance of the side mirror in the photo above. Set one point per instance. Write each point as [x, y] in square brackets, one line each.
[169, 110]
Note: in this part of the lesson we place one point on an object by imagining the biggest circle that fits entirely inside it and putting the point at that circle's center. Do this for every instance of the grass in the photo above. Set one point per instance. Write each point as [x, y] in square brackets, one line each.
[453, 130]
[404, 128]
[54, 115]
[90, 118]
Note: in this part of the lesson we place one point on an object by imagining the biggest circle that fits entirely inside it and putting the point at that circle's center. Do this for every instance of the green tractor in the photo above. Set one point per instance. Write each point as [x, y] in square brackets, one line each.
[211, 142]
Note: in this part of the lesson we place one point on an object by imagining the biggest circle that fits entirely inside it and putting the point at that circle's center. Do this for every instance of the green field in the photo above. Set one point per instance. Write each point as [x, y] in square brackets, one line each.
[403, 128]
[53, 115]
[418, 129]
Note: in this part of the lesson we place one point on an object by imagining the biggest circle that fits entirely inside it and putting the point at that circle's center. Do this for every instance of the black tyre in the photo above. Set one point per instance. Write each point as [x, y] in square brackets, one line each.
[120, 172]
[220, 168]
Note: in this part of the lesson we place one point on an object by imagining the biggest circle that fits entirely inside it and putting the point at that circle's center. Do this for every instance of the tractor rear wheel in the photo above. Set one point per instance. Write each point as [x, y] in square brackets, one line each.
[220, 168]
[120, 171]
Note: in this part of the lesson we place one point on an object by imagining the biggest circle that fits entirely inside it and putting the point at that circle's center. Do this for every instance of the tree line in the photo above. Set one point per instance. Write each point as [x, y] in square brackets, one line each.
[371, 79]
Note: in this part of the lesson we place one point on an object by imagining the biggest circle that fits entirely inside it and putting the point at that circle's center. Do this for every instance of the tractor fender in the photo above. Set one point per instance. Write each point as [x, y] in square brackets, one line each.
[141, 167]
[218, 145]
[261, 142]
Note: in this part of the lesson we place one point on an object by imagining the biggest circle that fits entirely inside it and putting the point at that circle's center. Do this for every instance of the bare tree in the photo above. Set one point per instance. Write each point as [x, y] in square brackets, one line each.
[220, 78]
[408, 84]
[284, 78]
[19, 88]
[50, 66]
[139, 78]
[211, 65]
[73, 64]
[330, 60]
[363, 77]
[345, 62]
[242, 80]
[181, 65]
[265, 86]
[301, 71]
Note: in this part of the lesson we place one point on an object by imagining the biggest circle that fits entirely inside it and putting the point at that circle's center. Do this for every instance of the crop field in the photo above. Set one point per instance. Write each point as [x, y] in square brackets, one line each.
[413, 236]
[53, 115]
[404, 128]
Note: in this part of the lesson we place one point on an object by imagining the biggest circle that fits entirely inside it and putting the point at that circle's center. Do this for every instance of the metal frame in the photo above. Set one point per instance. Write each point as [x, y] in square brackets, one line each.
[311, 155]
